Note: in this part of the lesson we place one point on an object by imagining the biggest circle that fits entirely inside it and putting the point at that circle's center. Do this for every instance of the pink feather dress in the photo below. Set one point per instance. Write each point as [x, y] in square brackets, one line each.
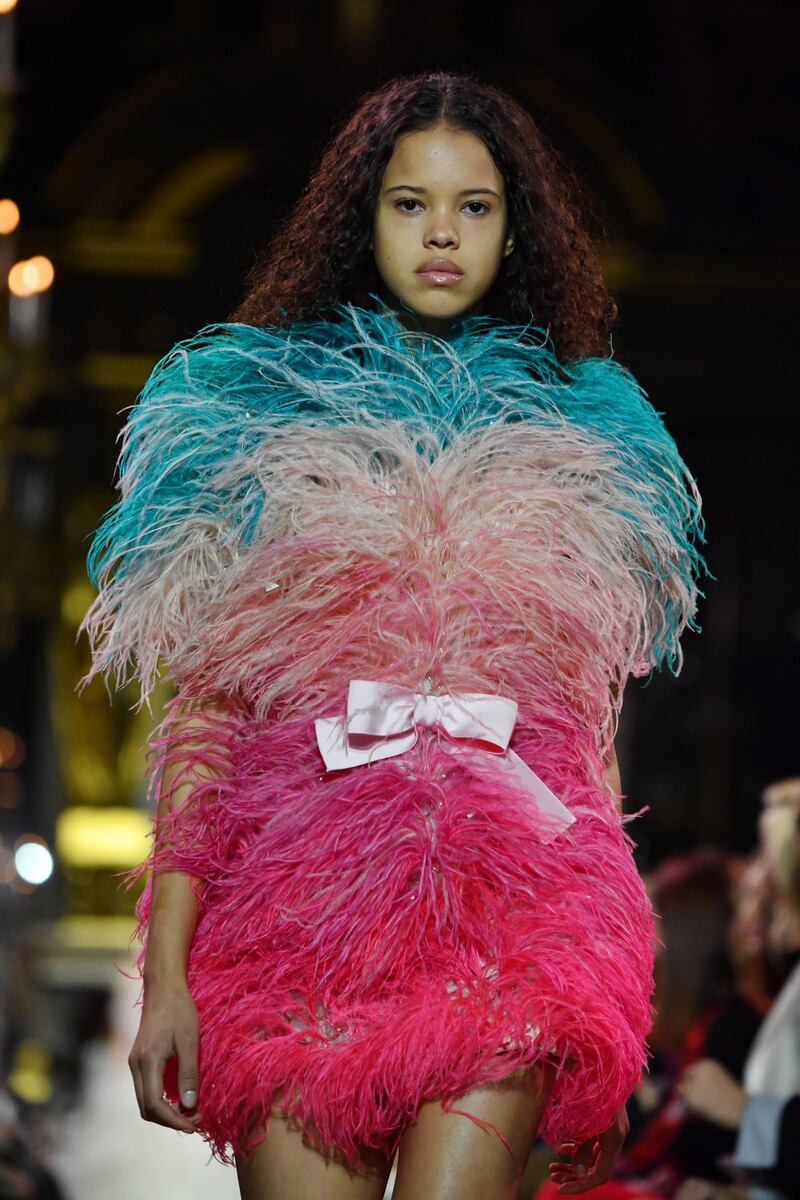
[417, 573]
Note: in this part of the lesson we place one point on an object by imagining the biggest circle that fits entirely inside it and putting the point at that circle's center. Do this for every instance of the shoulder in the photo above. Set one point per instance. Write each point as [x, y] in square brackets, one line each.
[516, 369]
[215, 350]
[240, 354]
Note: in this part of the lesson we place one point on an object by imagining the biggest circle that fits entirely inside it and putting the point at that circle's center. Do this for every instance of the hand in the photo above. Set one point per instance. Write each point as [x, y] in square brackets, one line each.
[592, 1161]
[709, 1091]
[169, 1026]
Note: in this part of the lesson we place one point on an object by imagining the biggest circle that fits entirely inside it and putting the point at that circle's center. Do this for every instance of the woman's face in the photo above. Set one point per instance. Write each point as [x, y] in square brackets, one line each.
[441, 196]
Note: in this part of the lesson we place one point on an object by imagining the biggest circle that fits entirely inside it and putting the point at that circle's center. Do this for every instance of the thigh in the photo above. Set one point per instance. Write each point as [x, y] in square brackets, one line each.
[444, 1156]
[286, 1165]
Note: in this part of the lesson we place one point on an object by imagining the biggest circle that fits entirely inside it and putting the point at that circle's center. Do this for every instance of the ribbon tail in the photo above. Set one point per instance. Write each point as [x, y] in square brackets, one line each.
[552, 816]
[547, 801]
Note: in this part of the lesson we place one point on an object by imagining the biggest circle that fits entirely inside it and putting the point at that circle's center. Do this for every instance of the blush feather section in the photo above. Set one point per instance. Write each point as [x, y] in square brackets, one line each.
[373, 938]
[506, 563]
[207, 470]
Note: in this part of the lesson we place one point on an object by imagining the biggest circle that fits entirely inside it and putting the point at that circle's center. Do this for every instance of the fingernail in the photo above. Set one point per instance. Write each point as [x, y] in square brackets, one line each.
[189, 1098]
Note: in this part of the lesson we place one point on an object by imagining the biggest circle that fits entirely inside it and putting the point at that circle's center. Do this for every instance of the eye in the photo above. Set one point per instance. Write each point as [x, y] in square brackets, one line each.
[413, 200]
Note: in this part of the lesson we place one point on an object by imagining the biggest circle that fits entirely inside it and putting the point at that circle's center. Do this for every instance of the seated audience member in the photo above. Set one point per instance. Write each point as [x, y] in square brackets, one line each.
[763, 1110]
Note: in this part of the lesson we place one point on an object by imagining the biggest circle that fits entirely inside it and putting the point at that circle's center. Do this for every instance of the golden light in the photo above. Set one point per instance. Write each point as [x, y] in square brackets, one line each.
[7, 6]
[75, 600]
[29, 1077]
[11, 790]
[20, 280]
[102, 836]
[9, 216]
[44, 269]
[95, 931]
[12, 748]
[8, 745]
[30, 275]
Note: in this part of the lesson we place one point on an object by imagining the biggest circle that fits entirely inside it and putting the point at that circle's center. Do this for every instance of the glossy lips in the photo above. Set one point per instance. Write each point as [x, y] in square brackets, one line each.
[440, 270]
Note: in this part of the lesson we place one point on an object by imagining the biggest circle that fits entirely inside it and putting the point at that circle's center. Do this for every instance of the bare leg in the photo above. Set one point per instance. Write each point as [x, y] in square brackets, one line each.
[444, 1156]
[285, 1166]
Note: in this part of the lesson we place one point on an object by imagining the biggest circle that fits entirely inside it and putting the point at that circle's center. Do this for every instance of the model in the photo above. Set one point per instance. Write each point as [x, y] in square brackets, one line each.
[399, 531]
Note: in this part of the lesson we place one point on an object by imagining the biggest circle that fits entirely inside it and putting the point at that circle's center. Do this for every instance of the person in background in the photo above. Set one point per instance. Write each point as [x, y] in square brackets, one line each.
[701, 1012]
[23, 1173]
[762, 1110]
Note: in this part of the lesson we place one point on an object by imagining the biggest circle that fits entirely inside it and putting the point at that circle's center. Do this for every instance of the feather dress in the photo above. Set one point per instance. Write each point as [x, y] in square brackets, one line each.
[343, 518]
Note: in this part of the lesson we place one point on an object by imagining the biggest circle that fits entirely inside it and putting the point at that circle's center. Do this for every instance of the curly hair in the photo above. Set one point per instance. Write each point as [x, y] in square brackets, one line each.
[319, 253]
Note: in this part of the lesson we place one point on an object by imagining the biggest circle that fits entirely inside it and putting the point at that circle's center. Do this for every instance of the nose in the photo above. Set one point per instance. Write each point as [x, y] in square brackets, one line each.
[441, 233]
[442, 239]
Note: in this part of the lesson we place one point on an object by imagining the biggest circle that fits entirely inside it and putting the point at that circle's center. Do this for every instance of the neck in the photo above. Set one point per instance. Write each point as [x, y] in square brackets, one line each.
[417, 323]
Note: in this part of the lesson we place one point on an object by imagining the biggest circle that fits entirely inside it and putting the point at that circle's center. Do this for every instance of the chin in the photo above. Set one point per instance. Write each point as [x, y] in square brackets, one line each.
[442, 306]
[435, 304]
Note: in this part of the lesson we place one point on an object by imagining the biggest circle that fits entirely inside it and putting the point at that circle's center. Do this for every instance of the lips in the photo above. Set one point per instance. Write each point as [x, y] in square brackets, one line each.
[439, 266]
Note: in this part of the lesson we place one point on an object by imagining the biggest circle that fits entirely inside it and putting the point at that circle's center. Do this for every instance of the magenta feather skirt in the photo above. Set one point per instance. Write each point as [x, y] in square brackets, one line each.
[373, 938]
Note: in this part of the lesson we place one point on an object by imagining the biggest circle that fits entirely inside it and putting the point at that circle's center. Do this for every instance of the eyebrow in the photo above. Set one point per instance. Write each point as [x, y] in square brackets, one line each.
[464, 191]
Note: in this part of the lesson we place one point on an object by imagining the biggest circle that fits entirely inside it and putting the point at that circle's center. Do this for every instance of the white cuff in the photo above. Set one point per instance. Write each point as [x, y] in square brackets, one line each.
[759, 1132]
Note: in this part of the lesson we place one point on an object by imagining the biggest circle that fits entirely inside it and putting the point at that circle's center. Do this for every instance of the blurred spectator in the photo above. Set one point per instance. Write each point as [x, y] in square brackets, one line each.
[701, 1012]
[768, 1147]
[759, 975]
[23, 1176]
[763, 1110]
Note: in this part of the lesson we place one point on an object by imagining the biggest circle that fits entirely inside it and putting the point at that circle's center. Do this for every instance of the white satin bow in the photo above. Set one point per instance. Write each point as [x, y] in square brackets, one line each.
[390, 712]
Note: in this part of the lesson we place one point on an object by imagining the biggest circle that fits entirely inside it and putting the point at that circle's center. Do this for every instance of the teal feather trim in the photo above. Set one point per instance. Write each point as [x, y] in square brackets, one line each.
[216, 395]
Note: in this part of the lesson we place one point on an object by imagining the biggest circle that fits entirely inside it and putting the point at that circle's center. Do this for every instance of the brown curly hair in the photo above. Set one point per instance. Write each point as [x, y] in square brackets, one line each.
[319, 253]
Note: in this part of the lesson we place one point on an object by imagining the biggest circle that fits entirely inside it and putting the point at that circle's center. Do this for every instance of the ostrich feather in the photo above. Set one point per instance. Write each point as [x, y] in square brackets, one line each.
[347, 499]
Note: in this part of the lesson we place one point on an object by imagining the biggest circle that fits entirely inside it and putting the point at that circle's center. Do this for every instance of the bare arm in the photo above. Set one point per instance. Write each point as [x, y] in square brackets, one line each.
[169, 1024]
[173, 912]
[611, 764]
[613, 778]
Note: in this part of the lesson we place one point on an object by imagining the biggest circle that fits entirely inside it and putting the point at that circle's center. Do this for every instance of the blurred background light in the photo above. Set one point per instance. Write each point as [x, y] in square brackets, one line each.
[33, 860]
[30, 276]
[111, 836]
[12, 749]
[29, 1077]
[9, 215]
